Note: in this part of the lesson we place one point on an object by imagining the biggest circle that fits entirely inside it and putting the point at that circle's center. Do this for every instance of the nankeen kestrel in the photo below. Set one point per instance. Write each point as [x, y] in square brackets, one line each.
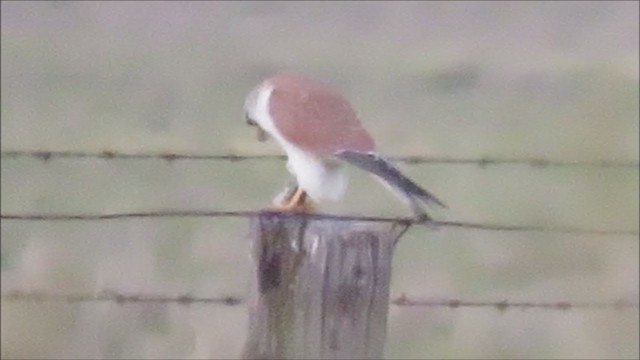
[318, 129]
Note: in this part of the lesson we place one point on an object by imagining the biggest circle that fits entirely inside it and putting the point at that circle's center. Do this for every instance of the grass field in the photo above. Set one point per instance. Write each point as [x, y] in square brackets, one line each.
[548, 80]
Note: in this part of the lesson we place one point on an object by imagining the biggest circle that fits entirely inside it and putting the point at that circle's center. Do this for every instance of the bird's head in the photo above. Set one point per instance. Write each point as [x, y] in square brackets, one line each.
[251, 113]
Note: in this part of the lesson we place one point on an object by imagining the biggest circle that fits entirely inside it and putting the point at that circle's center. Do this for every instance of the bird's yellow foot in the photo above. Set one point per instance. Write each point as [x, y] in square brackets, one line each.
[298, 202]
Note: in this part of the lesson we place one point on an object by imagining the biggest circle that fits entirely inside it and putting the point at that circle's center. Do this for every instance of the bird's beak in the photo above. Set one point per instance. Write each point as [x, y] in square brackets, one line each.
[262, 135]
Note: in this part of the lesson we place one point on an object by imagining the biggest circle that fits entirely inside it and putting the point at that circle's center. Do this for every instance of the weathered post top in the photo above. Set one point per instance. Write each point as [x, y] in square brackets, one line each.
[321, 287]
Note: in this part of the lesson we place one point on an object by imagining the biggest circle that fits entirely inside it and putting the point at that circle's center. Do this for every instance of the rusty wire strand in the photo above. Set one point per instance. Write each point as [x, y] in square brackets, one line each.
[46, 155]
[232, 300]
[247, 214]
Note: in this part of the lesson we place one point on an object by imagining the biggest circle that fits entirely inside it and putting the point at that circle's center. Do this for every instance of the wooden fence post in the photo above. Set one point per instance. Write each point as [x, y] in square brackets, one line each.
[320, 287]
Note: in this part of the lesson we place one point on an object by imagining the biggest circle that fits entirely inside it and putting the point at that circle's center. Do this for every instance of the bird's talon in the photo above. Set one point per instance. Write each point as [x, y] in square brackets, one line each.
[298, 202]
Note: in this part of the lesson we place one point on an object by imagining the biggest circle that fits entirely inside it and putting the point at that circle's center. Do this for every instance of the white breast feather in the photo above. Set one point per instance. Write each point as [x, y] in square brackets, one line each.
[319, 179]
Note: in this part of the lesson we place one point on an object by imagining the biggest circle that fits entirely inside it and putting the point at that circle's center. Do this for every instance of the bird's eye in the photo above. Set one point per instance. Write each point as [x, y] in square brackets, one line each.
[249, 120]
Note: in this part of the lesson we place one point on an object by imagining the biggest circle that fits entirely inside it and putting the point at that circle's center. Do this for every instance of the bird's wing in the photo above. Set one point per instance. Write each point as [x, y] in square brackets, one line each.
[316, 118]
[376, 165]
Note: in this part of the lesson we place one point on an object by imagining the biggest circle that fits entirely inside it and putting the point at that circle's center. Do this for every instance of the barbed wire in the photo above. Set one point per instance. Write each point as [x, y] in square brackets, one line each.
[46, 155]
[119, 298]
[504, 305]
[232, 300]
[434, 224]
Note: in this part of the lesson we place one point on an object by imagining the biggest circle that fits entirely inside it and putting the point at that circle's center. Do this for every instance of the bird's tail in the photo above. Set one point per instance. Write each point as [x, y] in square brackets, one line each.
[378, 166]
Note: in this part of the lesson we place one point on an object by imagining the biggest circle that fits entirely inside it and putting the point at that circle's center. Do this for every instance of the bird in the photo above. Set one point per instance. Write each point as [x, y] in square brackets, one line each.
[319, 131]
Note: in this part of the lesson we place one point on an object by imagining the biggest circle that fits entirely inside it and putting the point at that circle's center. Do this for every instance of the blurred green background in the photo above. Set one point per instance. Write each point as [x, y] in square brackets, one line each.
[552, 80]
